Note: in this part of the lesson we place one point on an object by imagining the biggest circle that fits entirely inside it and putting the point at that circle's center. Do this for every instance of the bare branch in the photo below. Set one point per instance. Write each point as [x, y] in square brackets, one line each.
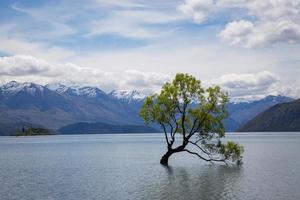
[175, 121]
[194, 153]
[171, 132]
[165, 131]
[208, 160]
[199, 139]
[177, 106]
[203, 150]
[194, 124]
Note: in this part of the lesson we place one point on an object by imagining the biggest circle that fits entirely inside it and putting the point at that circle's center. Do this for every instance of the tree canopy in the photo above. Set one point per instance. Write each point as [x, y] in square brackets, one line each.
[185, 108]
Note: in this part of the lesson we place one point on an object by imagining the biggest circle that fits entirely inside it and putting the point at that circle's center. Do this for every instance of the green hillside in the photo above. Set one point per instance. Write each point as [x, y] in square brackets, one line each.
[281, 117]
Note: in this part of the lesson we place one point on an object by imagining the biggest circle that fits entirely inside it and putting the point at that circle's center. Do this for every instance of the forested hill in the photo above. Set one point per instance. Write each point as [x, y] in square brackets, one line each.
[281, 117]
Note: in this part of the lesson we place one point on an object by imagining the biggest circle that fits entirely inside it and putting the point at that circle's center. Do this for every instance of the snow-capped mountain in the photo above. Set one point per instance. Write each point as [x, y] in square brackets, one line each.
[241, 112]
[128, 95]
[14, 87]
[57, 87]
[57, 105]
[85, 91]
[76, 90]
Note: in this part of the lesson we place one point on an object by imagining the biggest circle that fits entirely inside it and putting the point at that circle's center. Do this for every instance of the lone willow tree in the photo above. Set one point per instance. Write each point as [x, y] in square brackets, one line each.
[191, 118]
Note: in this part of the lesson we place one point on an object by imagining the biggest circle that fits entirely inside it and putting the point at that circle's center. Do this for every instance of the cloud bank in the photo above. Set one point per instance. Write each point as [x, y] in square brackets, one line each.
[239, 86]
[199, 10]
[248, 86]
[264, 22]
[25, 68]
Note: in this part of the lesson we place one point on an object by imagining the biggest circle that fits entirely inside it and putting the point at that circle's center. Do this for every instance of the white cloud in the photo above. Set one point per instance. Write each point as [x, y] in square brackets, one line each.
[126, 18]
[244, 81]
[236, 32]
[134, 24]
[255, 86]
[247, 86]
[25, 68]
[56, 26]
[262, 33]
[16, 45]
[199, 10]
[265, 21]
[121, 3]
[128, 29]
[274, 22]
[22, 65]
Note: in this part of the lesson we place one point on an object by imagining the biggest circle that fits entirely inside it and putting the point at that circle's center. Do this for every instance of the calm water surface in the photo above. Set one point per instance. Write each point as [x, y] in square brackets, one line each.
[127, 167]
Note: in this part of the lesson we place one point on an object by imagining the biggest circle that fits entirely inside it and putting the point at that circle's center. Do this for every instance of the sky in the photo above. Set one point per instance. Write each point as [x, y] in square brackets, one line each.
[248, 47]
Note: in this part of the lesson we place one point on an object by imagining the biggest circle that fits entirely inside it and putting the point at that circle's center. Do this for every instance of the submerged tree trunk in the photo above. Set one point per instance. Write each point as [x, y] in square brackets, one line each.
[165, 158]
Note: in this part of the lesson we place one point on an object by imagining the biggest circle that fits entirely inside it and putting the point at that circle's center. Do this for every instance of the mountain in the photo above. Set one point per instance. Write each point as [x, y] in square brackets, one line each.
[97, 128]
[30, 95]
[56, 105]
[241, 112]
[89, 92]
[29, 103]
[129, 102]
[127, 95]
[281, 117]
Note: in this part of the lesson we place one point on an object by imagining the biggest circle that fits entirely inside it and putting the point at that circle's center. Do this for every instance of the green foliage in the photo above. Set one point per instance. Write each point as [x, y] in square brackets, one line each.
[33, 132]
[184, 107]
[232, 151]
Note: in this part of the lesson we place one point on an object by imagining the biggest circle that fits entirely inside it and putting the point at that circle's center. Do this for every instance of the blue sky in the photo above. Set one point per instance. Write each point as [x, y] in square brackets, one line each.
[247, 47]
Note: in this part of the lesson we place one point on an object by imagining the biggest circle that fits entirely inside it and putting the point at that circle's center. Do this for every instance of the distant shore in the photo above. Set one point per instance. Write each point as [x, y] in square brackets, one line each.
[33, 132]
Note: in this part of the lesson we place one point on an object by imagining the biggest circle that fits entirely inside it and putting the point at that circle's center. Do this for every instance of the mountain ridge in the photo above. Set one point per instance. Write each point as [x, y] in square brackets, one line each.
[36, 104]
[56, 105]
[240, 113]
[280, 117]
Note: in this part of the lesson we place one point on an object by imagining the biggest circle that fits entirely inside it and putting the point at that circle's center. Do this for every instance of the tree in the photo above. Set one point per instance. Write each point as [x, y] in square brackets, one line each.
[194, 114]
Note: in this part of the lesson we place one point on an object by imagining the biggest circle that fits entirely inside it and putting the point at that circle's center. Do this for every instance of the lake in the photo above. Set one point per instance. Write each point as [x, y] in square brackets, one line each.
[126, 166]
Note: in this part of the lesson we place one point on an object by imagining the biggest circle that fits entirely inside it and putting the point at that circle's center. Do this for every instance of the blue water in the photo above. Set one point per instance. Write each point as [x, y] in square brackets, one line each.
[127, 167]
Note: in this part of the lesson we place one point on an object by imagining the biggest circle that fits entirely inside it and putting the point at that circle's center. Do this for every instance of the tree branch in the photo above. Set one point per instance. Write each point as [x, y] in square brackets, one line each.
[204, 118]
[176, 128]
[194, 153]
[177, 106]
[185, 104]
[203, 150]
[194, 124]
[171, 133]
[208, 160]
[165, 131]
[198, 127]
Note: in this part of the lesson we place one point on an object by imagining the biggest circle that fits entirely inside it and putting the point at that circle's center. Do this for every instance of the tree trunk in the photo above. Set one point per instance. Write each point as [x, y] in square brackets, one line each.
[165, 158]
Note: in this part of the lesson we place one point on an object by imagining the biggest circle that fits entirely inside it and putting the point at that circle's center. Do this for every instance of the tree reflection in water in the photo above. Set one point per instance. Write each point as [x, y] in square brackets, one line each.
[208, 182]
